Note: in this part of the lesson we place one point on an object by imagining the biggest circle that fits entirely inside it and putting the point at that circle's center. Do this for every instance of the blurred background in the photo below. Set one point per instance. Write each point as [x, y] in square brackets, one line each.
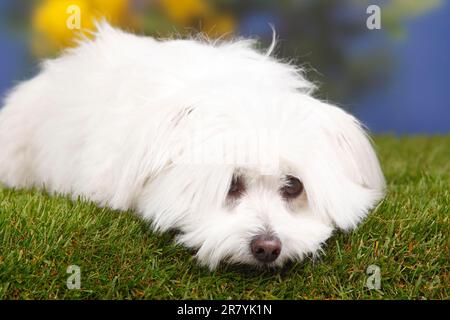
[395, 79]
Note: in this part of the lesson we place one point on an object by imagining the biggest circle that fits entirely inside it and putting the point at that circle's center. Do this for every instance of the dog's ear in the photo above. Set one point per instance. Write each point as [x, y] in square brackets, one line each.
[342, 176]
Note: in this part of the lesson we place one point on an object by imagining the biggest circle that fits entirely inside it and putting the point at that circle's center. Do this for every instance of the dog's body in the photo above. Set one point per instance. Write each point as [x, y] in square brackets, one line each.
[114, 119]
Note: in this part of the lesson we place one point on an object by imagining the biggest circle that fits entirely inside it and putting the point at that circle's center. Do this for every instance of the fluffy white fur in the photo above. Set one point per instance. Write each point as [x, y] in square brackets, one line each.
[114, 119]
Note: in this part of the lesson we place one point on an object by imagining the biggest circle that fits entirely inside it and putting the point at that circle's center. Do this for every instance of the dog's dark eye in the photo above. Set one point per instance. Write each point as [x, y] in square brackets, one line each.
[292, 189]
[237, 187]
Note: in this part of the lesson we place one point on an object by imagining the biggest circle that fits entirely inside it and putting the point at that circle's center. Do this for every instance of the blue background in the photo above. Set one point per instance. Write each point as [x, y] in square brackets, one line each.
[414, 99]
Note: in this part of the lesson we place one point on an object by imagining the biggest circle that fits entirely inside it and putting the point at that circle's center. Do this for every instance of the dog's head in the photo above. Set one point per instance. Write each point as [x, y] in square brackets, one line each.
[250, 167]
[265, 187]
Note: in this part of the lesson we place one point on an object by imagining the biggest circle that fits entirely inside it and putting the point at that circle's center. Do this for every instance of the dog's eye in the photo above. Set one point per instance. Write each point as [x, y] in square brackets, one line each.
[292, 189]
[237, 187]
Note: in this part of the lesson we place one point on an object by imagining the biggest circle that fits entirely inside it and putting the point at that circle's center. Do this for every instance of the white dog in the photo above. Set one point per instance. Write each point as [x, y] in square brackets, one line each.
[217, 140]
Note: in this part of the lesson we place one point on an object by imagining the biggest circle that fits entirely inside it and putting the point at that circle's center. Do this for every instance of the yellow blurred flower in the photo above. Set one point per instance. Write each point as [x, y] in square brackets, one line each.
[184, 12]
[114, 10]
[51, 26]
[53, 20]
[200, 15]
[218, 26]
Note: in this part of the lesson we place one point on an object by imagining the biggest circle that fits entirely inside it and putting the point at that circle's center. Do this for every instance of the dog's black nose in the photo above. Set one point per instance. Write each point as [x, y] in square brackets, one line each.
[266, 248]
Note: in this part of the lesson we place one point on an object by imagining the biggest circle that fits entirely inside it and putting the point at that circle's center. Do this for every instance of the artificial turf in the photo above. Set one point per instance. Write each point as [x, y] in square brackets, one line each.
[406, 236]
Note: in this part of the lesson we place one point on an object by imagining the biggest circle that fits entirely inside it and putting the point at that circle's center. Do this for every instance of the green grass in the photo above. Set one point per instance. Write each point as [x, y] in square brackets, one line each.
[406, 236]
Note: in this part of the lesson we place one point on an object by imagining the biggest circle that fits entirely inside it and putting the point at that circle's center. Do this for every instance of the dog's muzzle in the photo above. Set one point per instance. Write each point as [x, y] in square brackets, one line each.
[266, 248]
